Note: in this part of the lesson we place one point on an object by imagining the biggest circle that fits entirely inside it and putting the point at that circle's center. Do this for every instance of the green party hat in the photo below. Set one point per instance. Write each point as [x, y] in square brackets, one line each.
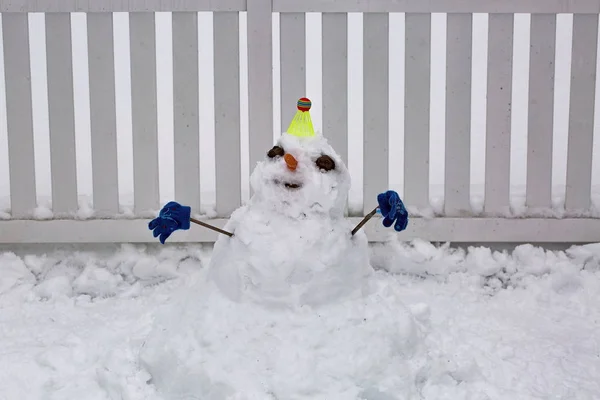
[301, 124]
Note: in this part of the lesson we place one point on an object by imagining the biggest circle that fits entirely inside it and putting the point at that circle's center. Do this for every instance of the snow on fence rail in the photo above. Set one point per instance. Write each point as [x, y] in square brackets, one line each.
[114, 107]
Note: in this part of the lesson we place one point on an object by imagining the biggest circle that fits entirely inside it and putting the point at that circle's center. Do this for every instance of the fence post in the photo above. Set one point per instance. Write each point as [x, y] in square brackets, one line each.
[260, 78]
[19, 114]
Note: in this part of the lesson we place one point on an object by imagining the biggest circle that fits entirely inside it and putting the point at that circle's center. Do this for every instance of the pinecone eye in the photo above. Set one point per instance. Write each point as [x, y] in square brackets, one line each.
[325, 162]
[275, 151]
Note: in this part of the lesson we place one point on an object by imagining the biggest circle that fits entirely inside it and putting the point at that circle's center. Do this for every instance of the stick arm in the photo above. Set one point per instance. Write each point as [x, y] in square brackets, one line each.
[356, 228]
[209, 226]
[364, 220]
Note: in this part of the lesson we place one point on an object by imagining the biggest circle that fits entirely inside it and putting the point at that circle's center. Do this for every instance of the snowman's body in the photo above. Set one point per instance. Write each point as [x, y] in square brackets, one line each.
[292, 244]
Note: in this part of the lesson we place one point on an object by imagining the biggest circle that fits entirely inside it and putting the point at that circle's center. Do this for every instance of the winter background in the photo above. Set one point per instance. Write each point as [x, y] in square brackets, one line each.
[516, 324]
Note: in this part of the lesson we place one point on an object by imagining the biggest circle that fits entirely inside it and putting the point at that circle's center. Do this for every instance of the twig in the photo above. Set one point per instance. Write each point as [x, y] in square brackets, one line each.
[214, 228]
[364, 220]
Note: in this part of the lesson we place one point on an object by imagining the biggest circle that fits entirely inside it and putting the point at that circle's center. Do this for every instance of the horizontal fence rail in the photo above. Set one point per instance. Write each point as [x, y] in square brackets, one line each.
[103, 6]
[440, 6]
[197, 111]
[324, 6]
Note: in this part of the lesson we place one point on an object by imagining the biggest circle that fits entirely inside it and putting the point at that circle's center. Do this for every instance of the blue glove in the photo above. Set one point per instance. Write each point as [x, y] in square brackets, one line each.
[392, 209]
[172, 217]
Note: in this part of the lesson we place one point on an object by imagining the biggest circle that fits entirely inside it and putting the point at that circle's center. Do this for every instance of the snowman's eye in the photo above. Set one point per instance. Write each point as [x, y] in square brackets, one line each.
[275, 151]
[325, 162]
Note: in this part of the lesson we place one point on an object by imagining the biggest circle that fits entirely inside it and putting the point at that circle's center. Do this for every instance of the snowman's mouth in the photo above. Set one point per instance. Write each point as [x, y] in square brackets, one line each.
[288, 185]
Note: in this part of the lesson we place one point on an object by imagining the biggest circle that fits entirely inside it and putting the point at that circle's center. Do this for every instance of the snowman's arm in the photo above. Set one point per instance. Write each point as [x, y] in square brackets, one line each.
[364, 220]
[392, 209]
[214, 228]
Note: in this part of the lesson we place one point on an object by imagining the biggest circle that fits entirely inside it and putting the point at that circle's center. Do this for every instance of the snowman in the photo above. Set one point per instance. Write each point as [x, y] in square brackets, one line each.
[291, 244]
[289, 306]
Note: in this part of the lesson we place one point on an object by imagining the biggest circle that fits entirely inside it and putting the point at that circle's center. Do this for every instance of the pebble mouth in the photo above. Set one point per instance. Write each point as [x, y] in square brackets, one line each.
[288, 185]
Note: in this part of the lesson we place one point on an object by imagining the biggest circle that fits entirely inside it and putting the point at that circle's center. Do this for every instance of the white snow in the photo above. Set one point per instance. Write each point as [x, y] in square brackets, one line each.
[205, 344]
[465, 324]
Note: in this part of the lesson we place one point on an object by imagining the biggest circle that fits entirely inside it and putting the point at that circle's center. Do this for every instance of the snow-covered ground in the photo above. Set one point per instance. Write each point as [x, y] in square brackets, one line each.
[486, 325]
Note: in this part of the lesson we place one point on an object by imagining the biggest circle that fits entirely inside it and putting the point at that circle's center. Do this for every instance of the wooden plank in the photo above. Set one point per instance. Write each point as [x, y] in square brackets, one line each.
[439, 6]
[260, 79]
[103, 117]
[61, 112]
[186, 108]
[375, 109]
[19, 114]
[456, 230]
[18, 6]
[293, 64]
[581, 111]
[416, 109]
[335, 81]
[144, 111]
[458, 115]
[499, 100]
[541, 110]
[227, 112]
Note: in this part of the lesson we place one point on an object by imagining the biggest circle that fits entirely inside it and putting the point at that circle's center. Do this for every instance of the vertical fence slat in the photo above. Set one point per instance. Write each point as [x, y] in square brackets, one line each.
[15, 33]
[227, 112]
[541, 110]
[335, 81]
[581, 111]
[293, 64]
[186, 104]
[144, 110]
[375, 109]
[416, 109]
[458, 115]
[260, 79]
[61, 112]
[103, 113]
[499, 92]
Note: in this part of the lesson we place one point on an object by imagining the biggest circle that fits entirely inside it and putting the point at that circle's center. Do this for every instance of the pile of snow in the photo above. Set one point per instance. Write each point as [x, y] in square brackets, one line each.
[204, 343]
[84, 273]
[490, 271]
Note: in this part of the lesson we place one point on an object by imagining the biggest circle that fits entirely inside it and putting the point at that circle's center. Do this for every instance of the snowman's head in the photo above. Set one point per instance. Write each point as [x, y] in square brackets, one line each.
[301, 176]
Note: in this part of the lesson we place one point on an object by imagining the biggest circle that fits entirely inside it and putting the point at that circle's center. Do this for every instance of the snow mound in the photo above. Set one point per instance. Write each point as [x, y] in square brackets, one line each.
[93, 275]
[14, 272]
[206, 344]
[490, 271]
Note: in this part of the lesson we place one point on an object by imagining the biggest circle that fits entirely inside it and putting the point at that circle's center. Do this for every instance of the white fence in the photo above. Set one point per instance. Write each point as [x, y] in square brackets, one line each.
[260, 54]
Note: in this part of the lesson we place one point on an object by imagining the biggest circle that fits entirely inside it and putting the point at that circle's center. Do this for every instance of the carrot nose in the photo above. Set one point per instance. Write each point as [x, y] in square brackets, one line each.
[291, 162]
